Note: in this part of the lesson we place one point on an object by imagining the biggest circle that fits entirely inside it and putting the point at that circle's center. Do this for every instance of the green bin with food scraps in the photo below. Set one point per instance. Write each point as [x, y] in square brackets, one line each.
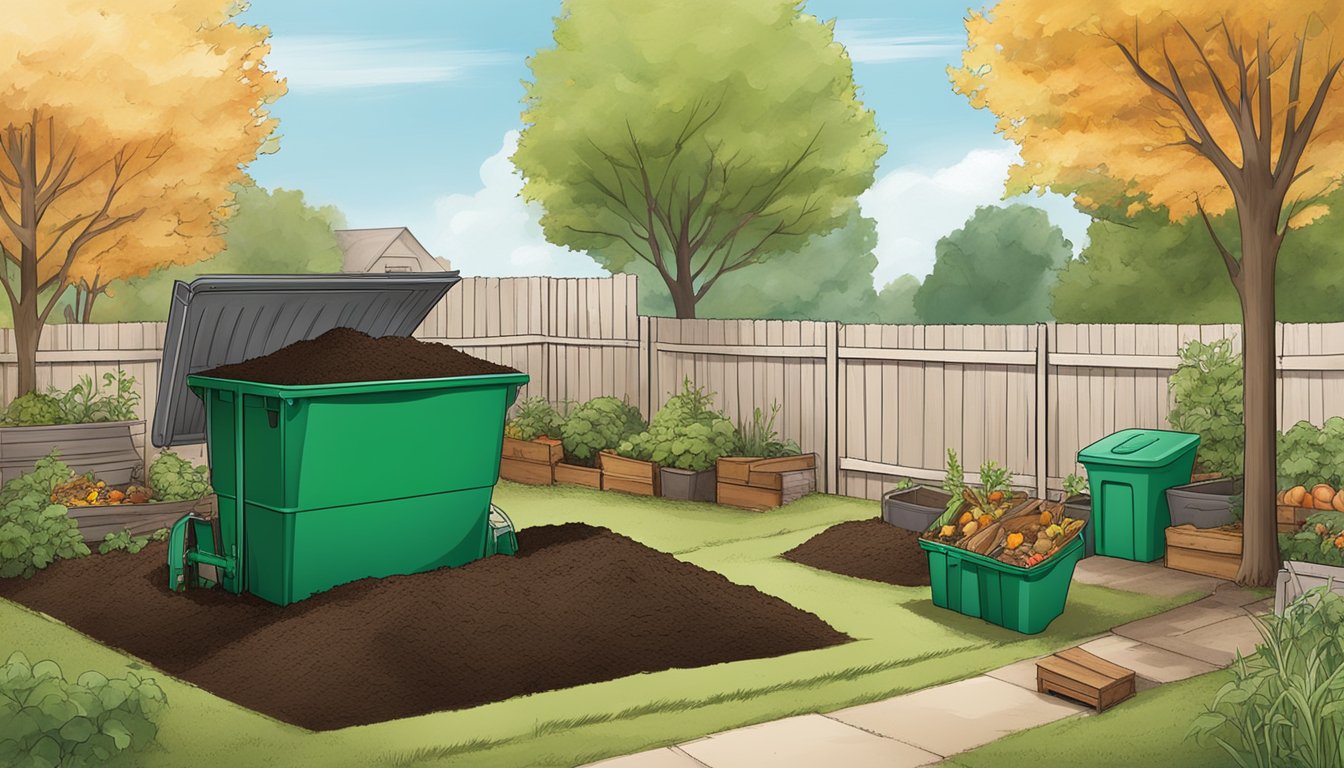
[1009, 563]
[340, 448]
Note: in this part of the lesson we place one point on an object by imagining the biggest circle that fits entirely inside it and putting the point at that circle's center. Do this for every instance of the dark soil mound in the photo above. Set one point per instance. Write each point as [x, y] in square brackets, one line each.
[577, 605]
[866, 549]
[343, 355]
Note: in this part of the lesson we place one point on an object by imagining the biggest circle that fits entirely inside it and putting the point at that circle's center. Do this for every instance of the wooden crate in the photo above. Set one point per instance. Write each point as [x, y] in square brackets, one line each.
[628, 475]
[1290, 519]
[588, 477]
[543, 450]
[529, 472]
[762, 484]
[1085, 677]
[1206, 551]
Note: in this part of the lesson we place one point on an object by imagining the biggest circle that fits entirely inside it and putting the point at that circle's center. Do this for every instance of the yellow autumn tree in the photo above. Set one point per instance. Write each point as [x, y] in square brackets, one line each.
[122, 127]
[1201, 107]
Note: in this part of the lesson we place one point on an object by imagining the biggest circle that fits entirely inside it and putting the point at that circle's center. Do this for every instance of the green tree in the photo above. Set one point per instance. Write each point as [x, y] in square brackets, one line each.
[1150, 270]
[896, 301]
[830, 278]
[271, 232]
[702, 137]
[998, 268]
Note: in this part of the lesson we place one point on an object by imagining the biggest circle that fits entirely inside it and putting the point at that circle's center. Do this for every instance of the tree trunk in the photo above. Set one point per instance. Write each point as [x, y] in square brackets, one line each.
[1260, 560]
[27, 332]
[683, 298]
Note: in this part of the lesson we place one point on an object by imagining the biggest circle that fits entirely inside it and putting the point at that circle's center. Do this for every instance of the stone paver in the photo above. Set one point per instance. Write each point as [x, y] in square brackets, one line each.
[1177, 621]
[805, 741]
[1209, 630]
[959, 716]
[1022, 674]
[1148, 662]
[668, 757]
[1147, 578]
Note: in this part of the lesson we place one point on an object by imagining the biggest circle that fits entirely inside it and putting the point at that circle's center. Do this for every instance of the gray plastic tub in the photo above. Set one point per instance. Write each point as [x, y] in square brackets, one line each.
[1080, 508]
[914, 509]
[1205, 504]
[688, 486]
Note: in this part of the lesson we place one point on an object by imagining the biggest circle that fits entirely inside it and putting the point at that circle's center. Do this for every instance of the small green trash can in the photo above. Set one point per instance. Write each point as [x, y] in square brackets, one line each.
[1024, 600]
[1129, 473]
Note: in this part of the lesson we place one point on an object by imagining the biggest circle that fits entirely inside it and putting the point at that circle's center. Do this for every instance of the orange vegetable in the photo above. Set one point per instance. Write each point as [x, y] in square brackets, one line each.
[965, 518]
[996, 497]
[1046, 517]
[1294, 496]
[1322, 494]
[1014, 541]
[984, 520]
[115, 496]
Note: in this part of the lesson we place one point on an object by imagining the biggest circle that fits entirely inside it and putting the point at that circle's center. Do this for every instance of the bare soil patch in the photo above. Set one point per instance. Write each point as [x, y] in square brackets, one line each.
[866, 549]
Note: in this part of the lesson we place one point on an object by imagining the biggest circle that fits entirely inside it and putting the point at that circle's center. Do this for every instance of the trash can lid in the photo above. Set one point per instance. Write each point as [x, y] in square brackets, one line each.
[1138, 448]
[221, 319]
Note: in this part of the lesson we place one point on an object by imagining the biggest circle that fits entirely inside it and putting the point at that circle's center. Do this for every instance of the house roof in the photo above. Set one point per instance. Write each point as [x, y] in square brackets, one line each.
[363, 247]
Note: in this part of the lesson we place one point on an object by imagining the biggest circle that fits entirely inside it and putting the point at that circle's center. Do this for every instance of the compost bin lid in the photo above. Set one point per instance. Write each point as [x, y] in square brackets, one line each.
[222, 319]
[1138, 448]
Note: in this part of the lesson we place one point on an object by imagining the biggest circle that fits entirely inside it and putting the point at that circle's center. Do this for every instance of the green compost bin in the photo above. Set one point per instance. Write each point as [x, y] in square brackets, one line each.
[341, 482]
[325, 484]
[1024, 600]
[1129, 473]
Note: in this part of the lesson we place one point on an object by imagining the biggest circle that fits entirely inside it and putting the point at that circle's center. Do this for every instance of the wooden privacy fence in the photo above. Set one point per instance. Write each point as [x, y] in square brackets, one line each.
[876, 402]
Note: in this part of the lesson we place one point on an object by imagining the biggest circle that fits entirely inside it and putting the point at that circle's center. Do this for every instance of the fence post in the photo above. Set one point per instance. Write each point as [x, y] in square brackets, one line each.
[832, 451]
[1042, 407]
[644, 382]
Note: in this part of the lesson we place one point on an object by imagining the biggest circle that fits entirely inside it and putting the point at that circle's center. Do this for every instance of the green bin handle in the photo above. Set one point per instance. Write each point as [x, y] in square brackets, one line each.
[1125, 447]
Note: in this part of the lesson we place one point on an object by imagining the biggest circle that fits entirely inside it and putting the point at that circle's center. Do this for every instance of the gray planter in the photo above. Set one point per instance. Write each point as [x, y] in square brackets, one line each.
[105, 449]
[1298, 577]
[1206, 504]
[686, 485]
[140, 519]
[1080, 508]
[914, 509]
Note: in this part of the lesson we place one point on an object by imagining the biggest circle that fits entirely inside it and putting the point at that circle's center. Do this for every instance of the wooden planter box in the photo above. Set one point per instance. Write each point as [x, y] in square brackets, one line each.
[1298, 577]
[1206, 551]
[762, 484]
[1290, 519]
[530, 461]
[572, 474]
[140, 519]
[620, 473]
[105, 449]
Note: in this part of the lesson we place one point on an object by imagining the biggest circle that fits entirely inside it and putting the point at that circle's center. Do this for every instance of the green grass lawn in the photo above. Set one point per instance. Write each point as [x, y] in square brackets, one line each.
[1148, 730]
[902, 643]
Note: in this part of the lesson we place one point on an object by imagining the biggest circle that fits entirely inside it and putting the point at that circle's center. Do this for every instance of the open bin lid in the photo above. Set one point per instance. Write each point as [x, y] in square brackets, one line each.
[222, 319]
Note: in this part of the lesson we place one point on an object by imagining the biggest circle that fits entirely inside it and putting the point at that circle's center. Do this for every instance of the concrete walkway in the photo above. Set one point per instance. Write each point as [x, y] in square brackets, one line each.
[924, 727]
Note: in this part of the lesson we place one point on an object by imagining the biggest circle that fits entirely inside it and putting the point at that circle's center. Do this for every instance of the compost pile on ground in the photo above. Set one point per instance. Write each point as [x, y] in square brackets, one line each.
[866, 549]
[577, 605]
[344, 355]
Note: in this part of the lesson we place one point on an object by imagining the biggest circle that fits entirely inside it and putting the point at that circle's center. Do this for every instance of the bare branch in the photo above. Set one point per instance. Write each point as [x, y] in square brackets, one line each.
[1229, 261]
[1218, 87]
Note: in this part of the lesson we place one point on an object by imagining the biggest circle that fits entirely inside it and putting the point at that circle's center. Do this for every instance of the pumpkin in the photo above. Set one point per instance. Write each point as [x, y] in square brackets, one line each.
[1322, 494]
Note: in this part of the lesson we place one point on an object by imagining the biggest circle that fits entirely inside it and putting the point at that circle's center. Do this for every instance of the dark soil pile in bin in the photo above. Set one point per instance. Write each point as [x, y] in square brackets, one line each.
[577, 605]
[866, 549]
[345, 355]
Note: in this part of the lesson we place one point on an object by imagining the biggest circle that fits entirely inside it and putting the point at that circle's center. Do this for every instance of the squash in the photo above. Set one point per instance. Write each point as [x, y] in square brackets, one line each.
[1293, 496]
[1046, 517]
[1322, 494]
[1338, 502]
[984, 520]
[965, 518]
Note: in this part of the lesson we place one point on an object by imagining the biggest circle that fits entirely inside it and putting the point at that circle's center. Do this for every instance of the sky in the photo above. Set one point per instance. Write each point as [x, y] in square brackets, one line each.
[404, 113]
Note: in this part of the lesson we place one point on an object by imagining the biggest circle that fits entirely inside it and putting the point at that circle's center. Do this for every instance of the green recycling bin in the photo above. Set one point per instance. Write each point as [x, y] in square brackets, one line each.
[1024, 600]
[1129, 473]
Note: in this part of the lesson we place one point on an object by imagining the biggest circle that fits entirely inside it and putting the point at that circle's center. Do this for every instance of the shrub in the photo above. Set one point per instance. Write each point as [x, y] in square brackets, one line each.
[173, 478]
[1321, 540]
[597, 425]
[684, 434]
[33, 409]
[535, 418]
[50, 722]
[1074, 486]
[760, 439]
[1285, 704]
[34, 533]
[1207, 390]
[122, 540]
[1309, 454]
[84, 403]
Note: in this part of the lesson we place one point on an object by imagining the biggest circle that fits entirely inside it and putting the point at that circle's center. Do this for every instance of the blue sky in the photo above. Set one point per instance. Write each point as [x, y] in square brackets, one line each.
[403, 112]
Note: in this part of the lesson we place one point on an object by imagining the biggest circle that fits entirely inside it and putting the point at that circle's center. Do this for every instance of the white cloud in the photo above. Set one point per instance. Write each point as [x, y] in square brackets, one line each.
[313, 63]
[494, 232]
[914, 208]
[867, 46]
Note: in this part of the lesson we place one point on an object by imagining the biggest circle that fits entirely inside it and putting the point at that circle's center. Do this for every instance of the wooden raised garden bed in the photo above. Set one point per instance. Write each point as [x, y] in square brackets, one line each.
[620, 473]
[530, 461]
[573, 474]
[762, 484]
[140, 519]
[1206, 551]
[105, 449]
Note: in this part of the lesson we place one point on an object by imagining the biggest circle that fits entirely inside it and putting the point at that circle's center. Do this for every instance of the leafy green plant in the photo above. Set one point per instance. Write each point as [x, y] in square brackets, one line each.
[1207, 390]
[34, 533]
[1075, 486]
[1309, 454]
[33, 409]
[49, 721]
[1285, 703]
[159, 535]
[122, 541]
[953, 483]
[903, 484]
[84, 403]
[173, 478]
[685, 433]
[597, 425]
[535, 418]
[759, 437]
[1320, 540]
